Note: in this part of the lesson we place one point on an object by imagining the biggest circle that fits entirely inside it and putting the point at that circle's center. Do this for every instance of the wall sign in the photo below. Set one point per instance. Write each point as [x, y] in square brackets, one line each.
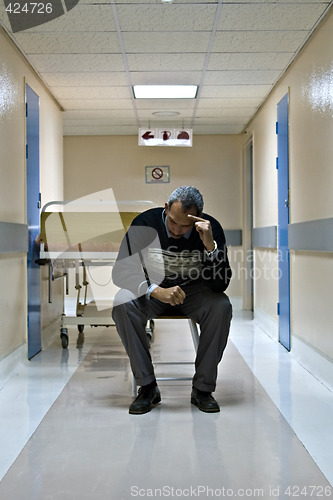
[155, 175]
[165, 137]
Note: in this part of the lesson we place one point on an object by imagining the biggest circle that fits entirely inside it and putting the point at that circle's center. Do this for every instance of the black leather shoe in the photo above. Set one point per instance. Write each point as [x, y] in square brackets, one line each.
[204, 401]
[147, 398]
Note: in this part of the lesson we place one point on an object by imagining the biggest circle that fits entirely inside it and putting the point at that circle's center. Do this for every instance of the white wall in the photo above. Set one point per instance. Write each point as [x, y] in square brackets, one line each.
[15, 71]
[309, 83]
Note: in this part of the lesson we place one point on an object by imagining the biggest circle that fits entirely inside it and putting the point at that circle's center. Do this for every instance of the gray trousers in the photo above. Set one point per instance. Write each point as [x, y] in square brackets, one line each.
[212, 311]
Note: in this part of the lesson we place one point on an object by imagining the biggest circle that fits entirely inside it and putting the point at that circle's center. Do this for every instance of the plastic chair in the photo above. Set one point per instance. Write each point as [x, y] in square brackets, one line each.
[195, 338]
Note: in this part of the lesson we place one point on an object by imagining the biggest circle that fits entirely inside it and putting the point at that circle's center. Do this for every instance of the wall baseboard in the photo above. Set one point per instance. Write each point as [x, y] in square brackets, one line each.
[266, 323]
[315, 363]
[12, 364]
[318, 365]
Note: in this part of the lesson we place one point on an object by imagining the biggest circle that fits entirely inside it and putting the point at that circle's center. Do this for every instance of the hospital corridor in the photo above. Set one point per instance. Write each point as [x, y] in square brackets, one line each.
[160, 159]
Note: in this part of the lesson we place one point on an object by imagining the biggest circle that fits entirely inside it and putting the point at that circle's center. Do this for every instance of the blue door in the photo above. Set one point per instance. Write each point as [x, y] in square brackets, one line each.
[33, 206]
[283, 221]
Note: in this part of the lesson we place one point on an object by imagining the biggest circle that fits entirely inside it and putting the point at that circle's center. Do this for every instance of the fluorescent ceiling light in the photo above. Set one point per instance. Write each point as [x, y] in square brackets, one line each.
[165, 91]
[166, 113]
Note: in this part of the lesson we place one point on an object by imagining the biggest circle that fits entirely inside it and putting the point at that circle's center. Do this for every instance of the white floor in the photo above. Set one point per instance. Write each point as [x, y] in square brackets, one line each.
[65, 416]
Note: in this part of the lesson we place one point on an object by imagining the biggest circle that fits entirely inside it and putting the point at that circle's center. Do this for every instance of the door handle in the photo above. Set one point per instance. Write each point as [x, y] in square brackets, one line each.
[286, 202]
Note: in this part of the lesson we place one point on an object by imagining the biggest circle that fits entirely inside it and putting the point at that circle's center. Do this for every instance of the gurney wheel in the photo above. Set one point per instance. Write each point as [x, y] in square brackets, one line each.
[64, 337]
[80, 328]
[64, 341]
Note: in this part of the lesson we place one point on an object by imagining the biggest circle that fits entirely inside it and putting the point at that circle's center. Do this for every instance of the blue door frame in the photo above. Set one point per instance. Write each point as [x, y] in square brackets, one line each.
[283, 220]
[251, 216]
[33, 216]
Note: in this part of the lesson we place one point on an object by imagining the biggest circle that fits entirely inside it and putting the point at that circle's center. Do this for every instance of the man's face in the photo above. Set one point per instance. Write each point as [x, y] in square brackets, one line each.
[177, 221]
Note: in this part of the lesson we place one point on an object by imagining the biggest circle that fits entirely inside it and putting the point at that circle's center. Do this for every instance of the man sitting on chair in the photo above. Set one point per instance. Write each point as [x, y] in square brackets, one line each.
[173, 260]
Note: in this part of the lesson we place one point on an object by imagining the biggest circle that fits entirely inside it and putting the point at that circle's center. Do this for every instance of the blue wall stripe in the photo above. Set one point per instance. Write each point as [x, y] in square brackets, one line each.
[233, 237]
[314, 235]
[264, 237]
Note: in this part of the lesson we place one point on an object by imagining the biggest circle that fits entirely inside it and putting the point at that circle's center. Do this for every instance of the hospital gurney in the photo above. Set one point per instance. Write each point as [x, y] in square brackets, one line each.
[76, 237]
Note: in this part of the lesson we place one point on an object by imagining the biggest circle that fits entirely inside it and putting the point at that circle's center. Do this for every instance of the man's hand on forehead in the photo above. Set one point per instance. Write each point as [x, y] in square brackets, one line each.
[204, 229]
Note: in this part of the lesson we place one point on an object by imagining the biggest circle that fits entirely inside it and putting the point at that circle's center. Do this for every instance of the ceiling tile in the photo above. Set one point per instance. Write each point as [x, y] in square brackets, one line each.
[162, 17]
[183, 113]
[259, 91]
[165, 124]
[222, 112]
[246, 61]
[166, 41]
[84, 79]
[251, 1]
[166, 62]
[63, 63]
[122, 93]
[109, 120]
[213, 129]
[258, 77]
[69, 43]
[231, 103]
[295, 16]
[85, 92]
[258, 41]
[277, 1]
[164, 104]
[166, 77]
[158, 2]
[117, 117]
[221, 120]
[80, 115]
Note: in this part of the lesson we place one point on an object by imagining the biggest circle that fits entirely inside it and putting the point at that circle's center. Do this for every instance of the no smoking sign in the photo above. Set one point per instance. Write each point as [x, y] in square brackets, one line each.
[157, 175]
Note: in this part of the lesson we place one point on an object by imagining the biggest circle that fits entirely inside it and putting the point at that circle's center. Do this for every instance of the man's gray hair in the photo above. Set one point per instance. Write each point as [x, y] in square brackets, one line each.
[189, 197]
